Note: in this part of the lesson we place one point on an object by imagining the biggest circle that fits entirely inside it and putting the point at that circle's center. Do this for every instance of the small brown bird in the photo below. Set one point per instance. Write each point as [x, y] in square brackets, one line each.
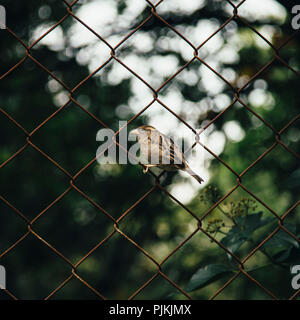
[158, 150]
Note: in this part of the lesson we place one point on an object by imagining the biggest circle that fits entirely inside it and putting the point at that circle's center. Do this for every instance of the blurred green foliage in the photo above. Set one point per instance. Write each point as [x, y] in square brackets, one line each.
[74, 226]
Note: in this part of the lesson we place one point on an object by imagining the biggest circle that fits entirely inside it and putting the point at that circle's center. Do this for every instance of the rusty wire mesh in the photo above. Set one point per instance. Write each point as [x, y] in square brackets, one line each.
[239, 176]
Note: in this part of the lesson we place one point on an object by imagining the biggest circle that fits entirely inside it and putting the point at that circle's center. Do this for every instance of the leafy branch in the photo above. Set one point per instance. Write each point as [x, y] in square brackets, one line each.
[244, 219]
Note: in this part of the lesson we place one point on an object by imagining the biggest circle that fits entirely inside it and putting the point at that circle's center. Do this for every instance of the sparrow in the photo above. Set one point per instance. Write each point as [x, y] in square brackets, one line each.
[159, 150]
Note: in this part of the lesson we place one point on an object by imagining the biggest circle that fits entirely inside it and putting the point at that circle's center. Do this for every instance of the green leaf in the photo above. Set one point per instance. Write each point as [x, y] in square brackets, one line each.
[253, 221]
[293, 257]
[207, 275]
[253, 269]
[243, 231]
[234, 240]
[283, 255]
[283, 239]
[281, 244]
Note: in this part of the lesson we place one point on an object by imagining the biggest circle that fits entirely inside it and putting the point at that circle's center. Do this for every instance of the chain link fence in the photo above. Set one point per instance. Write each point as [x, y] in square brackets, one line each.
[236, 98]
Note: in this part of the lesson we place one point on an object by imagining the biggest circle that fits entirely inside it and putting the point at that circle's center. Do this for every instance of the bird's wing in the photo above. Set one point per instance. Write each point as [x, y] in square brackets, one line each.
[163, 150]
[170, 151]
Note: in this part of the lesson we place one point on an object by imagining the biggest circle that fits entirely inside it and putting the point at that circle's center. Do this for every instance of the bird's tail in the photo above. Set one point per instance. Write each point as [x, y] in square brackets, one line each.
[193, 174]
